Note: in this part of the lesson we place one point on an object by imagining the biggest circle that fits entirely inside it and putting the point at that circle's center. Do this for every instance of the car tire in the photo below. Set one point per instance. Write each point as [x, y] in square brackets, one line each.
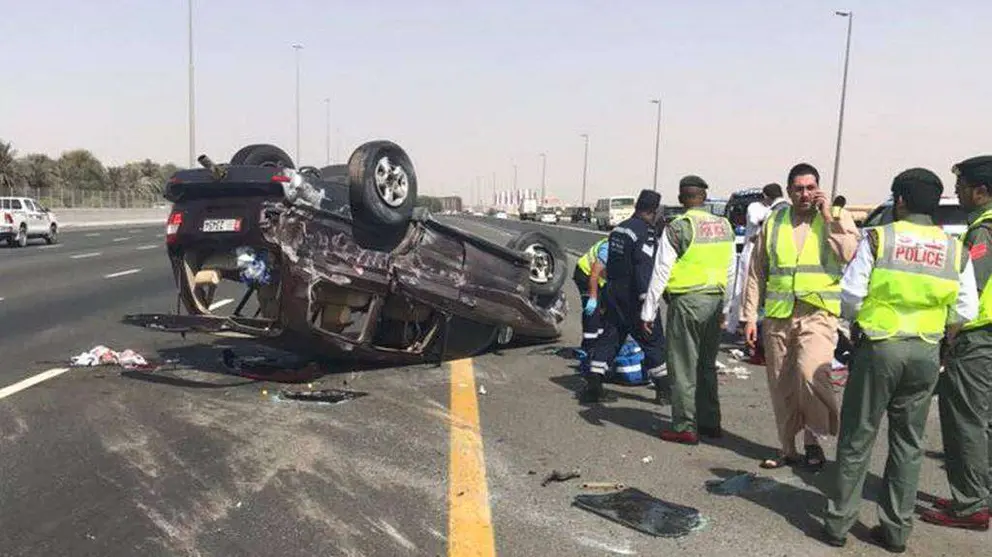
[544, 284]
[53, 235]
[262, 154]
[382, 185]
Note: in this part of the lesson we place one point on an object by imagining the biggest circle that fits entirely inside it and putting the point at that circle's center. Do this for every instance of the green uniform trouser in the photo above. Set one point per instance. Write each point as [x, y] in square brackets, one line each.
[693, 326]
[966, 420]
[897, 377]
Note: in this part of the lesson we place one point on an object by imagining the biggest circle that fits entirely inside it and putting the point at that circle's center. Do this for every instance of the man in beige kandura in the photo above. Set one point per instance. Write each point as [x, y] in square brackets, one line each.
[794, 280]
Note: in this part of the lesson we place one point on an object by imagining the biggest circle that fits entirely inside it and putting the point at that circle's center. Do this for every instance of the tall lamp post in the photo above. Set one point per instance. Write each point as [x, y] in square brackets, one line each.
[585, 167]
[327, 104]
[544, 168]
[192, 124]
[657, 143]
[843, 96]
[298, 48]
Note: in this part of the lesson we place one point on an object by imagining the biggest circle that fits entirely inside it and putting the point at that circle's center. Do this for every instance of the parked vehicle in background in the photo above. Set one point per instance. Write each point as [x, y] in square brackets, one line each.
[950, 216]
[735, 211]
[611, 211]
[23, 218]
[548, 215]
[581, 214]
[528, 209]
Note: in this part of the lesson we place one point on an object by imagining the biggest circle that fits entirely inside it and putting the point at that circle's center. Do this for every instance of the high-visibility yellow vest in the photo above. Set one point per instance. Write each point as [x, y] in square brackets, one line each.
[703, 266]
[812, 276]
[586, 261]
[914, 283]
[985, 299]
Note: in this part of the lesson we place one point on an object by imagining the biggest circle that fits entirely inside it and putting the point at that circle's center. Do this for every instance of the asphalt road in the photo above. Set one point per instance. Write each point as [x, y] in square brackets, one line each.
[188, 460]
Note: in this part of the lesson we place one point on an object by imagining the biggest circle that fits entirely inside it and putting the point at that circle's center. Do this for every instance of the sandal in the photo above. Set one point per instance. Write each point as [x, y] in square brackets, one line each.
[781, 461]
[815, 458]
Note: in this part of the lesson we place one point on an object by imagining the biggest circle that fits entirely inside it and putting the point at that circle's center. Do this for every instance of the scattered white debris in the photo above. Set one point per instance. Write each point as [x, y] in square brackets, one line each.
[647, 459]
[482, 389]
[738, 354]
[720, 365]
[739, 372]
[101, 355]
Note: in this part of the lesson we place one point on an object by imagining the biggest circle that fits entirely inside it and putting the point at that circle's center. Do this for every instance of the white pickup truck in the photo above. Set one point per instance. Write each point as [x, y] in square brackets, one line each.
[22, 218]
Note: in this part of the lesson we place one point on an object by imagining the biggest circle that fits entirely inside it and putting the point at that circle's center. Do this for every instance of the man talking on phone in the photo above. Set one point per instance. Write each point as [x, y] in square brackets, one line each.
[796, 271]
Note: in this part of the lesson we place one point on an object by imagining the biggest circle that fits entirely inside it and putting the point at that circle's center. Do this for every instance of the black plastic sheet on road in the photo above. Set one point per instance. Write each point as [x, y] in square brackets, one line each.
[642, 512]
[326, 396]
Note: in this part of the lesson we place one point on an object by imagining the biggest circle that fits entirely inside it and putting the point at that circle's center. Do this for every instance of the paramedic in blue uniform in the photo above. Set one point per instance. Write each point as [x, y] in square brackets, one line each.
[630, 262]
[590, 278]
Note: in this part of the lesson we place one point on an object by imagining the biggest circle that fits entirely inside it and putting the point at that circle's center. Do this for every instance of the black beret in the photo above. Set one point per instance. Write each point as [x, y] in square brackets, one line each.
[917, 178]
[977, 170]
[693, 181]
[649, 200]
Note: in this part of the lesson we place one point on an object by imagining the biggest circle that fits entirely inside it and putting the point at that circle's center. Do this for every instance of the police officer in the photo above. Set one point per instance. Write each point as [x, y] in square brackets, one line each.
[693, 268]
[590, 278]
[965, 388]
[629, 264]
[909, 283]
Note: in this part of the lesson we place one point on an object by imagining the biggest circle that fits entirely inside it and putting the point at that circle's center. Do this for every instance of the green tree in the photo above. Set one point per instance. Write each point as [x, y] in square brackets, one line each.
[40, 172]
[82, 170]
[9, 171]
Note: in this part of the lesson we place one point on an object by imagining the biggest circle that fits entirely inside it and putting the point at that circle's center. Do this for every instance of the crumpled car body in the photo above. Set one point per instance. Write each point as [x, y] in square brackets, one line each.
[337, 285]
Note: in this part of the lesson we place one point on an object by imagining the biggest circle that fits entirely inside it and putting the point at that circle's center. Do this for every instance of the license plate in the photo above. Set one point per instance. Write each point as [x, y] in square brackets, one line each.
[222, 225]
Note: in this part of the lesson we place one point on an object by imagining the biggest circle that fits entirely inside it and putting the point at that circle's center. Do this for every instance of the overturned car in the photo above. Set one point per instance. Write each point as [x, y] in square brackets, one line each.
[339, 262]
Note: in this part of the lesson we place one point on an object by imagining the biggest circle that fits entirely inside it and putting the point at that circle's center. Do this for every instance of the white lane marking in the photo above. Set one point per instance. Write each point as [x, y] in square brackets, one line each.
[220, 303]
[85, 255]
[34, 380]
[2, 299]
[125, 238]
[133, 231]
[149, 246]
[92, 234]
[50, 246]
[122, 273]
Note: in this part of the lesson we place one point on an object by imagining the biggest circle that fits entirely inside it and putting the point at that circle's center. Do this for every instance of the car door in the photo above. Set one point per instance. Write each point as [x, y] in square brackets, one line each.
[35, 218]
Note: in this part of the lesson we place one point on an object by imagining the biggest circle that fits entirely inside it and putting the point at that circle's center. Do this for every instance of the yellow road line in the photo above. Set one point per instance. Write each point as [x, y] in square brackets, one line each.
[470, 529]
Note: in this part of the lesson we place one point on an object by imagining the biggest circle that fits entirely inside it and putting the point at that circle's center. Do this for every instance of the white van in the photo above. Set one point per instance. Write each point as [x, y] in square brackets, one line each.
[611, 211]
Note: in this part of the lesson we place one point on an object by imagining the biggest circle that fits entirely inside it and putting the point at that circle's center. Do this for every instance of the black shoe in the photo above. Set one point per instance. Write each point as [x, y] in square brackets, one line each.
[878, 536]
[711, 432]
[594, 391]
[832, 540]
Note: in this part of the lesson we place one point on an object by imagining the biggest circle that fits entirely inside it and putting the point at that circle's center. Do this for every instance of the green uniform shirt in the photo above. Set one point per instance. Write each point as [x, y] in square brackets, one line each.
[979, 243]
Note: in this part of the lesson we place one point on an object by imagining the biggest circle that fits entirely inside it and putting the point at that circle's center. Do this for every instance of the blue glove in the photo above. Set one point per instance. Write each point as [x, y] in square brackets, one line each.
[591, 304]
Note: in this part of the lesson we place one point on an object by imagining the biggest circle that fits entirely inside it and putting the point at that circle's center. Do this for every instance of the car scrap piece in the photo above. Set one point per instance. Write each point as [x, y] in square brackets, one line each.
[642, 512]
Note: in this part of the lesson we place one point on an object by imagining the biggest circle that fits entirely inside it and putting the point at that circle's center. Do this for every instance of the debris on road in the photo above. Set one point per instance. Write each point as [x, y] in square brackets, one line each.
[271, 368]
[744, 482]
[103, 356]
[324, 396]
[556, 476]
[642, 512]
[720, 365]
[482, 389]
[739, 372]
[611, 486]
[647, 459]
[738, 354]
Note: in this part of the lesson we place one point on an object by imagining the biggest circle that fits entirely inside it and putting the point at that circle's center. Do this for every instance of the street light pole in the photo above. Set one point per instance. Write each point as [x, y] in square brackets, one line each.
[327, 103]
[843, 97]
[544, 168]
[585, 167]
[192, 123]
[298, 47]
[657, 143]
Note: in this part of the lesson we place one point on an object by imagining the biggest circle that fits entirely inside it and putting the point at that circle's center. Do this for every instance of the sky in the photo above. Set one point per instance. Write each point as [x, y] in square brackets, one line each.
[472, 89]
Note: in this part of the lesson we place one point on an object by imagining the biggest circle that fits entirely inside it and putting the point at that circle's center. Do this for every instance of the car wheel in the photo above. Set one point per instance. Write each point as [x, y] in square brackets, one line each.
[548, 262]
[382, 184]
[262, 154]
[21, 240]
[53, 235]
